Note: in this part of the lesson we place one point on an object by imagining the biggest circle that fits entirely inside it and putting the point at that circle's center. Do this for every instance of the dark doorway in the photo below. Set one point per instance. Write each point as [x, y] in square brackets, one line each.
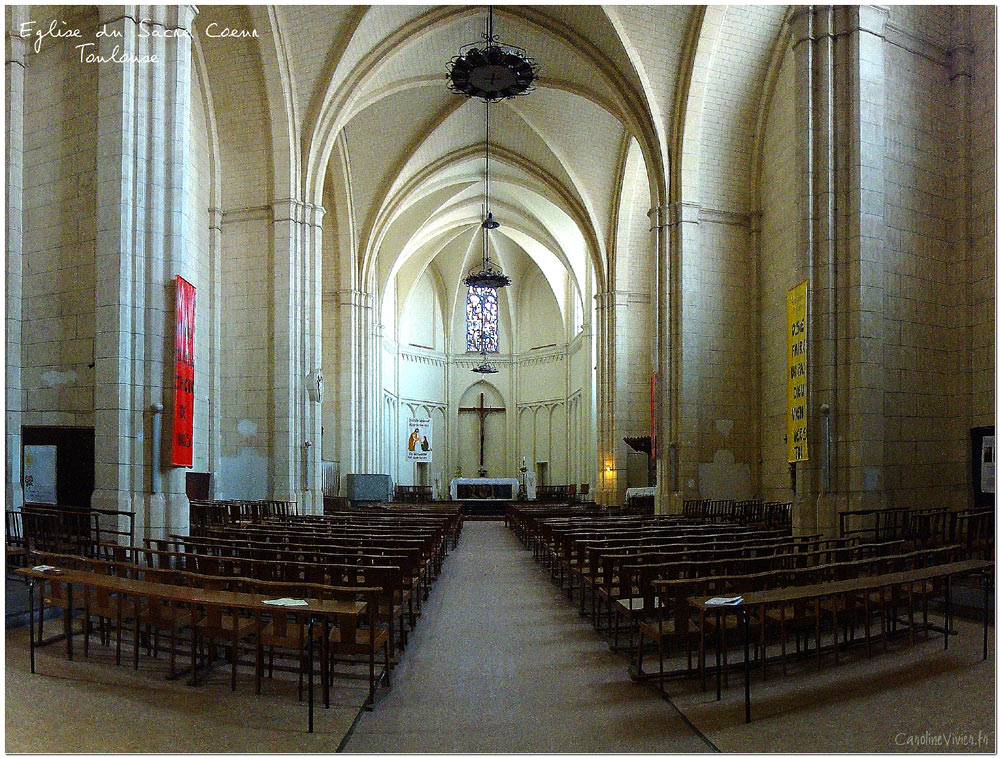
[198, 484]
[74, 460]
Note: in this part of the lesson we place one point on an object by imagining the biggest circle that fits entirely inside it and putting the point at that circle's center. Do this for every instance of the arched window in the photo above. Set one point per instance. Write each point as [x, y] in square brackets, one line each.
[481, 320]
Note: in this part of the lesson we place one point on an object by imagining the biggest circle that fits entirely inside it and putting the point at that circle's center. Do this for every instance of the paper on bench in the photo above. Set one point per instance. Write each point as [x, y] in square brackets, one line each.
[288, 601]
[724, 600]
[44, 567]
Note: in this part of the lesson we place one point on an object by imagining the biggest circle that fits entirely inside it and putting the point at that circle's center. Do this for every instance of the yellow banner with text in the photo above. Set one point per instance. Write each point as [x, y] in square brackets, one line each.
[798, 447]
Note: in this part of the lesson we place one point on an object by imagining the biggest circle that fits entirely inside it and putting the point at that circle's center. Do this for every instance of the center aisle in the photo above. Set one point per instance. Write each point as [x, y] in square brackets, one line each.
[502, 663]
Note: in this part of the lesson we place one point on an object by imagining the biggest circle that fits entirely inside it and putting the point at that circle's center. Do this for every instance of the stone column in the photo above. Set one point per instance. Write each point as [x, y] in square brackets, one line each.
[681, 379]
[861, 30]
[840, 112]
[142, 216]
[116, 368]
[605, 397]
[962, 275]
[214, 296]
[16, 60]
[659, 228]
[297, 328]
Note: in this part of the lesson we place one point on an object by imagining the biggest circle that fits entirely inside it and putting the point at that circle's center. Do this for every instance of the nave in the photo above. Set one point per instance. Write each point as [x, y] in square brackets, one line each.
[503, 664]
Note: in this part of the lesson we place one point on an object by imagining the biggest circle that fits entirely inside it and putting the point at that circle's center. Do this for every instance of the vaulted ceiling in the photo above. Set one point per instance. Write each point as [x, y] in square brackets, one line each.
[363, 101]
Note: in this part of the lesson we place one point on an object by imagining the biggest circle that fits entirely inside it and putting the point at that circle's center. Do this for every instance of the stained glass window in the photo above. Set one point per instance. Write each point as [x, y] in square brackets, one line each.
[481, 320]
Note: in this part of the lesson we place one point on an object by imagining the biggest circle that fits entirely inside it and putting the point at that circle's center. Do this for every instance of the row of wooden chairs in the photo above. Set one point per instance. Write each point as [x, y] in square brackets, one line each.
[646, 572]
[396, 557]
[973, 528]
[746, 512]
[59, 528]
[205, 513]
[420, 493]
[675, 623]
[283, 630]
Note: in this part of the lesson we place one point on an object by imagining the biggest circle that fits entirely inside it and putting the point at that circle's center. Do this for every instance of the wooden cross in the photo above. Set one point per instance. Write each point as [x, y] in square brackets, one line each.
[483, 412]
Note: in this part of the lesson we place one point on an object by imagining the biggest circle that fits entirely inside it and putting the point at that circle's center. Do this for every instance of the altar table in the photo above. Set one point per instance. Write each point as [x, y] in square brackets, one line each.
[483, 488]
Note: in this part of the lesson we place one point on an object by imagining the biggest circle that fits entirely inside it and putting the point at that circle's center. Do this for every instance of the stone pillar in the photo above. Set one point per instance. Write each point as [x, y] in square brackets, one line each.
[214, 297]
[840, 112]
[962, 274]
[16, 60]
[861, 29]
[607, 472]
[659, 228]
[297, 329]
[353, 341]
[116, 367]
[142, 216]
[681, 378]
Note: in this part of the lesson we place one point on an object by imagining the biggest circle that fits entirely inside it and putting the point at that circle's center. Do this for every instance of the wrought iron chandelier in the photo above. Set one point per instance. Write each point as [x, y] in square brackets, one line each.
[485, 367]
[492, 71]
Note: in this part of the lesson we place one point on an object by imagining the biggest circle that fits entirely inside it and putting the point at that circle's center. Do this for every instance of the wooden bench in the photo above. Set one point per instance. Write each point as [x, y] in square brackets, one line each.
[756, 603]
[346, 605]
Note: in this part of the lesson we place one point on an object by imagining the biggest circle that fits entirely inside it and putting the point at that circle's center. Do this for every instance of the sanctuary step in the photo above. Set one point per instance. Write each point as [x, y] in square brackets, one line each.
[485, 508]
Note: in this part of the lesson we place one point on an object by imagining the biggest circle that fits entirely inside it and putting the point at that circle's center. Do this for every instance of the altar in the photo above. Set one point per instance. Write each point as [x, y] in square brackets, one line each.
[483, 488]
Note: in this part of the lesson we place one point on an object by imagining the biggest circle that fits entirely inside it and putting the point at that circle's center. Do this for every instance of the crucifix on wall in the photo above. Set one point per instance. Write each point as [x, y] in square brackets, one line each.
[482, 411]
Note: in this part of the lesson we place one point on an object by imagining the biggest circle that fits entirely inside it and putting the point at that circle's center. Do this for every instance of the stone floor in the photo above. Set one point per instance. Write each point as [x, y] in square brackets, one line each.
[502, 663]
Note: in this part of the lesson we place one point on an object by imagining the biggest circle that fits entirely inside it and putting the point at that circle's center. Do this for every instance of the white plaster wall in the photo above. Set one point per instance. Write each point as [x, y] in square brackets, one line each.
[246, 359]
[420, 325]
[925, 445]
[982, 215]
[60, 232]
[197, 269]
[782, 266]
[539, 318]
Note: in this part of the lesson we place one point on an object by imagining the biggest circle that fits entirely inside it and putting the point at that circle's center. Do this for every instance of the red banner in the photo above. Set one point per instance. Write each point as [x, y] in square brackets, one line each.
[184, 384]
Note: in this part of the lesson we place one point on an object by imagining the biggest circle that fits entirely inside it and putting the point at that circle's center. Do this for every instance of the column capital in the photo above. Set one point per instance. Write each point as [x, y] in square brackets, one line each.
[960, 61]
[296, 211]
[860, 18]
[657, 216]
[17, 45]
[683, 213]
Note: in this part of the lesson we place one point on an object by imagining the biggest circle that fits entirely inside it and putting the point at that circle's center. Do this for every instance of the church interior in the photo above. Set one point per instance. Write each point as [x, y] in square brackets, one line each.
[516, 378]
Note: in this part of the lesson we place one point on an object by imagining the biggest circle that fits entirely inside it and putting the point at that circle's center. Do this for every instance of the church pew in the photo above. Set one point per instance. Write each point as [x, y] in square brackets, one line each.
[830, 592]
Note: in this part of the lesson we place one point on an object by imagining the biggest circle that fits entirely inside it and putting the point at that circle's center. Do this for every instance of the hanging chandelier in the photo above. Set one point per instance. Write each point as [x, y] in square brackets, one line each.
[485, 367]
[487, 275]
[492, 71]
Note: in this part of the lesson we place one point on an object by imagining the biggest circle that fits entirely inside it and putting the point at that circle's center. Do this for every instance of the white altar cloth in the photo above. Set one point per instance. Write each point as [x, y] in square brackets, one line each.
[453, 488]
[632, 492]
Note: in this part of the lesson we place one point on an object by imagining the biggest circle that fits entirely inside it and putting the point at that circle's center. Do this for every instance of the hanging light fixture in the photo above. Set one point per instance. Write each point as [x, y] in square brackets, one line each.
[491, 71]
[487, 275]
[485, 367]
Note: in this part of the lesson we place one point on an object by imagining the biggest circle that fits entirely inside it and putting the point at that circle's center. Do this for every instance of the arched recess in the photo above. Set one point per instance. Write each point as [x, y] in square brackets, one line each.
[466, 442]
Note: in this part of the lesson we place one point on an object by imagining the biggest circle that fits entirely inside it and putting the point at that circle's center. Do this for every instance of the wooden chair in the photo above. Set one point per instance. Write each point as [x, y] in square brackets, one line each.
[349, 638]
[286, 630]
[110, 608]
[673, 623]
[56, 594]
[158, 614]
[219, 622]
